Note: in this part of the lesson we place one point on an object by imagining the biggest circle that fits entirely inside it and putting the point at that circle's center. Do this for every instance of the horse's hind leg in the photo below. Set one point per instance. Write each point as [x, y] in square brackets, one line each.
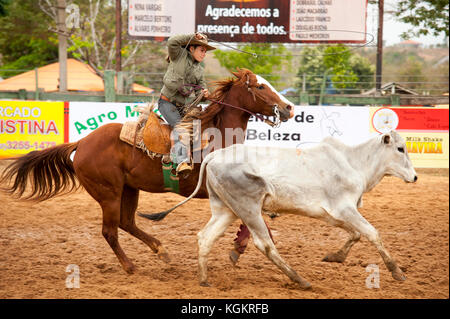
[130, 197]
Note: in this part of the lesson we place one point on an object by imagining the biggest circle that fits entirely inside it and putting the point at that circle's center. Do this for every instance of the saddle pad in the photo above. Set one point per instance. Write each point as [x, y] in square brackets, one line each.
[128, 133]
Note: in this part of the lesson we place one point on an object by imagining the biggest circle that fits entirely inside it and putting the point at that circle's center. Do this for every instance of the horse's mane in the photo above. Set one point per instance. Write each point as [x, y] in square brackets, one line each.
[209, 116]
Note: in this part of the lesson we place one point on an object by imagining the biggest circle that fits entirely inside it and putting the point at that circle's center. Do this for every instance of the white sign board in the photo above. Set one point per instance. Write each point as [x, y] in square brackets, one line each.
[85, 117]
[310, 125]
[328, 20]
[160, 18]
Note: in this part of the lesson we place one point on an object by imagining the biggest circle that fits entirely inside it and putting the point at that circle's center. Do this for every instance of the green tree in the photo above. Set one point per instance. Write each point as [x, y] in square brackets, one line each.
[3, 4]
[268, 61]
[25, 42]
[347, 72]
[94, 41]
[411, 73]
[427, 16]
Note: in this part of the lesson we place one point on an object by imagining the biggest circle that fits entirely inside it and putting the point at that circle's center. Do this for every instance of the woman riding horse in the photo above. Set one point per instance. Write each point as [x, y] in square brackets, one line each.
[186, 52]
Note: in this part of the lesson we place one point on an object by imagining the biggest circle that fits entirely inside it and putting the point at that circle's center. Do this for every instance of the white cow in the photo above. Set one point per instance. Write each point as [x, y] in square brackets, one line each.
[324, 182]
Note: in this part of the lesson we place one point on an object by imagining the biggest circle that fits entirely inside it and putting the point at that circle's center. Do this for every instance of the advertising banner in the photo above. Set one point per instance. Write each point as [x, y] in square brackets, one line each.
[251, 20]
[160, 18]
[27, 126]
[310, 125]
[425, 131]
[85, 117]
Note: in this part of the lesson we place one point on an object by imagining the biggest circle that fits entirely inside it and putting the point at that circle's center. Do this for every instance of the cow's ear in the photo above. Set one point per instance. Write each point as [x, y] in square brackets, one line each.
[386, 138]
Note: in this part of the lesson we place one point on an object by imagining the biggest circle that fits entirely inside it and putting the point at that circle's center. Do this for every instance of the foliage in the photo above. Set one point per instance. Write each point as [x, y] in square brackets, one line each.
[24, 38]
[94, 41]
[427, 16]
[3, 4]
[347, 72]
[269, 59]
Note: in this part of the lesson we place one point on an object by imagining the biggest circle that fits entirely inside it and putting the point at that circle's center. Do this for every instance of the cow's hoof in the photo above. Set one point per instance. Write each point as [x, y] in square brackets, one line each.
[334, 258]
[205, 284]
[304, 285]
[234, 257]
[397, 274]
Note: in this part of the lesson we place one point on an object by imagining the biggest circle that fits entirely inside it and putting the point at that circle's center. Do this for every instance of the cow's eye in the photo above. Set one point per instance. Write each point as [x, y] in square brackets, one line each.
[401, 150]
[261, 87]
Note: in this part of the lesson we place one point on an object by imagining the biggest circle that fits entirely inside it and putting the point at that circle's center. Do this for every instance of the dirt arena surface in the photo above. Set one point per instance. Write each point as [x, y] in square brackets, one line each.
[38, 242]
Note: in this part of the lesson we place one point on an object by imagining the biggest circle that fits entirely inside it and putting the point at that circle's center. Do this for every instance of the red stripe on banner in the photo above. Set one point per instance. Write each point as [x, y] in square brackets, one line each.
[412, 119]
[66, 122]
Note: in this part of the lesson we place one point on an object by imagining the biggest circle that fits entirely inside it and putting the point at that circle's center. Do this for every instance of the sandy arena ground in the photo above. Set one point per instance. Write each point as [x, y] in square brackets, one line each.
[38, 242]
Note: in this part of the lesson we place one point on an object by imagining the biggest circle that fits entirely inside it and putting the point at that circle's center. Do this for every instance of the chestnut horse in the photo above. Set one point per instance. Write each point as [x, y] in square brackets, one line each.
[113, 172]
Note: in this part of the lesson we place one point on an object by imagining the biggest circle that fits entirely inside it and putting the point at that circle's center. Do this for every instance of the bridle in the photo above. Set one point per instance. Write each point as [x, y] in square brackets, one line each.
[275, 110]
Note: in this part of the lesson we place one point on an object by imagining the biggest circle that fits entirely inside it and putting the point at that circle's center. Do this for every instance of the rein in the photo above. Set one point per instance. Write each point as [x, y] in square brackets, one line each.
[276, 112]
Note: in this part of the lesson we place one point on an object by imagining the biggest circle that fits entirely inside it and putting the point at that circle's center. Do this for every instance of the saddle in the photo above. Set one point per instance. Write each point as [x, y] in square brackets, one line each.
[152, 134]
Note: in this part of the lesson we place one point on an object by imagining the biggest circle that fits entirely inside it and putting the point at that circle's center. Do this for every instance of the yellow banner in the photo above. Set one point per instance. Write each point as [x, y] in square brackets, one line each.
[27, 126]
[426, 147]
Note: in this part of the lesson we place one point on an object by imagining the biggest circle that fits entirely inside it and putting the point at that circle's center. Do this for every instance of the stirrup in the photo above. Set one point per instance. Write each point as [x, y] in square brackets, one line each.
[183, 169]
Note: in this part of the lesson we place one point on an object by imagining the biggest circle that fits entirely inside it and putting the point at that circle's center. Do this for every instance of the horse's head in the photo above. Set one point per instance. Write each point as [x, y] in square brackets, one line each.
[263, 98]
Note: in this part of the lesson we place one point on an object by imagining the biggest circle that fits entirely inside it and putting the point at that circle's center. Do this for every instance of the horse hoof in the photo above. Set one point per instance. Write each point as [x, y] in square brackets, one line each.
[164, 257]
[205, 284]
[130, 269]
[234, 257]
[398, 275]
[333, 258]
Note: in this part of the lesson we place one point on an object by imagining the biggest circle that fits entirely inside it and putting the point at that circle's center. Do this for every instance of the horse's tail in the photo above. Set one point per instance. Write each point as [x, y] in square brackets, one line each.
[162, 215]
[50, 172]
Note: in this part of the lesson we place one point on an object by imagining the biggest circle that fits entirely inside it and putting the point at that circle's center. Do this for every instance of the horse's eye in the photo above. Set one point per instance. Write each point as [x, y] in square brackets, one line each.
[261, 87]
[401, 150]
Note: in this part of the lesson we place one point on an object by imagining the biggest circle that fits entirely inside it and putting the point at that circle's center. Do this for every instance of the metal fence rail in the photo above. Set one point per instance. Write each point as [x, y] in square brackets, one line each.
[429, 94]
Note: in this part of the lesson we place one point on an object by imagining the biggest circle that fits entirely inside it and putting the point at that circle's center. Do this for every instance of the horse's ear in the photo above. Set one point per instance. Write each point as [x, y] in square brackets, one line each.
[237, 73]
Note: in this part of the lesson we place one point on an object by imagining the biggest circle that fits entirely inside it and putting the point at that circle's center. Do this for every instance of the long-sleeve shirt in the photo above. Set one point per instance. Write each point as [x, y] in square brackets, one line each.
[183, 69]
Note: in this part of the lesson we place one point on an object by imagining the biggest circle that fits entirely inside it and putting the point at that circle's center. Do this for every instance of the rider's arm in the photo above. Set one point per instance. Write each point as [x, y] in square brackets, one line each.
[175, 44]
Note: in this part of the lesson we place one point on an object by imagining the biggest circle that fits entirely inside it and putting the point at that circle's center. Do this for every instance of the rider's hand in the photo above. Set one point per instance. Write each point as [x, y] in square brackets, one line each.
[200, 36]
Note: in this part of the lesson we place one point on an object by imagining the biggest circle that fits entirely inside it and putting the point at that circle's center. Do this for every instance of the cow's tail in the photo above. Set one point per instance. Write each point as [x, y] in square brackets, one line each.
[162, 215]
[49, 172]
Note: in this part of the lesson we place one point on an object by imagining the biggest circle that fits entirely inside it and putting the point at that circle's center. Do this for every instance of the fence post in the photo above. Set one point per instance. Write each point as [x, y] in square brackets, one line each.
[120, 82]
[395, 100]
[36, 79]
[110, 91]
[322, 89]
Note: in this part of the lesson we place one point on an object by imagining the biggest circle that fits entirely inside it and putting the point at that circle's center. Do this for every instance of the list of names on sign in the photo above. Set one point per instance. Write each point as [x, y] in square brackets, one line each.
[327, 20]
[160, 18]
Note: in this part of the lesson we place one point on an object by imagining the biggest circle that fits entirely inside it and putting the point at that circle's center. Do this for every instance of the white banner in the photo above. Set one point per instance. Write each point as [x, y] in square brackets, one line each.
[310, 125]
[84, 117]
[328, 20]
[160, 18]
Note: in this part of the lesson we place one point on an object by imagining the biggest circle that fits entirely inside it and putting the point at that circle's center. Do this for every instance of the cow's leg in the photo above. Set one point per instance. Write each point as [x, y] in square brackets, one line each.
[129, 204]
[342, 253]
[352, 218]
[264, 243]
[221, 218]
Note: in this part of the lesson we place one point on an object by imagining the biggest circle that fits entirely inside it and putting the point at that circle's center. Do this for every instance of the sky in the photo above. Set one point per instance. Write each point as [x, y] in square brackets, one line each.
[392, 28]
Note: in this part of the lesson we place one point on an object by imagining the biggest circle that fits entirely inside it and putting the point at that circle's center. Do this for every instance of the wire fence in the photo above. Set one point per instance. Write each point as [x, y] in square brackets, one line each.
[287, 83]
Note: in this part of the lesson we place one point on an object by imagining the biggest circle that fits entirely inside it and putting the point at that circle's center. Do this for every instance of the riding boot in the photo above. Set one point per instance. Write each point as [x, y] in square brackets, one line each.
[180, 154]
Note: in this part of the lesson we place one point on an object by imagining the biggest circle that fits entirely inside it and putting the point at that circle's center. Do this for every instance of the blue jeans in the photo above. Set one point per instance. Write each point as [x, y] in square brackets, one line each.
[178, 153]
